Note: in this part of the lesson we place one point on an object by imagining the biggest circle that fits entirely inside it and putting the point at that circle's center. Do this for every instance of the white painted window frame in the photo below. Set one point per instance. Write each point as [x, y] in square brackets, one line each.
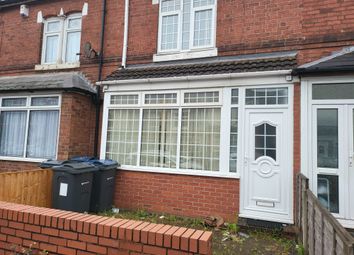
[61, 42]
[193, 51]
[28, 108]
[225, 105]
[309, 137]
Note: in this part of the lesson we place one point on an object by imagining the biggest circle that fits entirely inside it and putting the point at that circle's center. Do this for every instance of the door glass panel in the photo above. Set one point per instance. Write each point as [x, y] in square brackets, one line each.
[327, 138]
[327, 192]
[265, 141]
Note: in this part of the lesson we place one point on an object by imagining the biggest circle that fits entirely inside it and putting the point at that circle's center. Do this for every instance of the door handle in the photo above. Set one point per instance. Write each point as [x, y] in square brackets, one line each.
[245, 160]
[351, 160]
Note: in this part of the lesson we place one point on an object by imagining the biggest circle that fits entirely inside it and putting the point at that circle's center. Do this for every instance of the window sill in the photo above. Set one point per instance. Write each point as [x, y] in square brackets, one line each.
[200, 53]
[56, 66]
[33, 160]
[181, 172]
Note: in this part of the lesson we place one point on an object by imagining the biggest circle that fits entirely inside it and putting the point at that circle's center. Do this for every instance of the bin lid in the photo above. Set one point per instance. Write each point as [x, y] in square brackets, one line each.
[83, 158]
[105, 164]
[51, 163]
[76, 168]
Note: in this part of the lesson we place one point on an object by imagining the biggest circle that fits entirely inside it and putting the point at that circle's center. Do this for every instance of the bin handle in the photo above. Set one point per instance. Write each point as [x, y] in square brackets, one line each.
[84, 183]
[109, 178]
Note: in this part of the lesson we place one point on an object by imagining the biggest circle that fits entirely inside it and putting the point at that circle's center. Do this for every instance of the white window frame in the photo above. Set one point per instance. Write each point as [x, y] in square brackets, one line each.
[193, 51]
[28, 108]
[225, 121]
[62, 33]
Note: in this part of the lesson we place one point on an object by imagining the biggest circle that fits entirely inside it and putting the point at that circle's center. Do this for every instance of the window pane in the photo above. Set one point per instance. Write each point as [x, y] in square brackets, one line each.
[125, 99]
[12, 133]
[13, 102]
[169, 32]
[267, 96]
[200, 3]
[203, 27]
[51, 53]
[74, 23]
[169, 98]
[201, 97]
[327, 138]
[186, 24]
[42, 134]
[327, 192]
[44, 101]
[72, 47]
[200, 139]
[333, 91]
[170, 5]
[159, 138]
[265, 141]
[53, 26]
[233, 140]
[122, 136]
[234, 96]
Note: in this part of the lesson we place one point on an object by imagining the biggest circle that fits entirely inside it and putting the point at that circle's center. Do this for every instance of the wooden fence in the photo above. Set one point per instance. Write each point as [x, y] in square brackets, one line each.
[28, 187]
[320, 232]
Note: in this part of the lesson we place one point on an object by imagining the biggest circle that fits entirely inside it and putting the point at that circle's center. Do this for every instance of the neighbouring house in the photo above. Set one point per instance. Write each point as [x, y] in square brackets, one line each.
[211, 106]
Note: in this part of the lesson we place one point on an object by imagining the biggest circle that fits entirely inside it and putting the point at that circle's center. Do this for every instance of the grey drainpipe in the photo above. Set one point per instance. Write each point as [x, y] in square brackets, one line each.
[100, 67]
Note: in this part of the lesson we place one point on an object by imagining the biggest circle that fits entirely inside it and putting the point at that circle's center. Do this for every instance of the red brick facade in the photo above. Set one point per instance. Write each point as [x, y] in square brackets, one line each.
[313, 28]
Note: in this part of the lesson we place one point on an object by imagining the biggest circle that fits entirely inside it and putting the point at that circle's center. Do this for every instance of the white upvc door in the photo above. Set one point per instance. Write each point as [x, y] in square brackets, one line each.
[333, 151]
[351, 159]
[266, 186]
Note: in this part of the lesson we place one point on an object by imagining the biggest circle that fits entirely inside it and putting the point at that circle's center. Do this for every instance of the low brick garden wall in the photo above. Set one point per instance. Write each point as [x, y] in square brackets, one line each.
[69, 233]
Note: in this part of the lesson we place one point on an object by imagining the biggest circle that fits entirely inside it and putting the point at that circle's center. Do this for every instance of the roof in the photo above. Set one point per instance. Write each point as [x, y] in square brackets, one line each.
[73, 81]
[8, 3]
[209, 66]
[341, 61]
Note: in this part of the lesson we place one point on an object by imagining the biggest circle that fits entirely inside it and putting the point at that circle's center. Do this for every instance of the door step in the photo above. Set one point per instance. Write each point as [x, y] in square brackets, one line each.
[246, 222]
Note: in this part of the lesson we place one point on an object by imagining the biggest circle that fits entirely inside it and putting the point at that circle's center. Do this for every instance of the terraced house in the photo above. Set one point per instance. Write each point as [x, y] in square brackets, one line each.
[211, 106]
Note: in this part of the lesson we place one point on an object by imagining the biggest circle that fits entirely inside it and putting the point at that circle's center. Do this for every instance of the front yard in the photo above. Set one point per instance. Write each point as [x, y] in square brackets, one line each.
[228, 240]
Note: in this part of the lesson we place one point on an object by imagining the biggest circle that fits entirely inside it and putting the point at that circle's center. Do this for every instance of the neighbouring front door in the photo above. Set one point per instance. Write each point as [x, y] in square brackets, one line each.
[333, 159]
[266, 182]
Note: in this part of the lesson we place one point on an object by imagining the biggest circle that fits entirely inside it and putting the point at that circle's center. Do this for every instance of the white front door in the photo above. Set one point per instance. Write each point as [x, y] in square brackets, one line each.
[267, 179]
[333, 175]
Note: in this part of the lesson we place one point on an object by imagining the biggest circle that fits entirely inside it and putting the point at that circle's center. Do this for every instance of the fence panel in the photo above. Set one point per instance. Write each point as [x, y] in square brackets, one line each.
[321, 233]
[27, 187]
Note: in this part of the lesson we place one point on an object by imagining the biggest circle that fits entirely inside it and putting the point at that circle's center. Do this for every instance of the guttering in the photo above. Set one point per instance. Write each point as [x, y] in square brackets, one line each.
[100, 68]
[198, 77]
[126, 31]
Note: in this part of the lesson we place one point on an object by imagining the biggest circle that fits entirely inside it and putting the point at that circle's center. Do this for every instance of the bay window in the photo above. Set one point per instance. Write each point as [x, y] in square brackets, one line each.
[61, 40]
[29, 127]
[186, 25]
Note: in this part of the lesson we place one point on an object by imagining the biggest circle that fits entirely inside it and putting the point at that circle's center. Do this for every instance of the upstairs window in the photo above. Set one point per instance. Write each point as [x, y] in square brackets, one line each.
[186, 25]
[61, 40]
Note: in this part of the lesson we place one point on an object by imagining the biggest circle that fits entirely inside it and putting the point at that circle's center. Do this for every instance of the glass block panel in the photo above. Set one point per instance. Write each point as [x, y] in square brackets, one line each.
[122, 136]
[44, 101]
[200, 139]
[201, 97]
[327, 192]
[13, 102]
[124, 99]
[168, 98]
[159, 138]
[233, 140]
[267, 96]
[327, 138]
[333, 91]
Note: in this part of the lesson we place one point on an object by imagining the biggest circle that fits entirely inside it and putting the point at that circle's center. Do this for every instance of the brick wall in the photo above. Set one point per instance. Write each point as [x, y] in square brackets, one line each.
[68, 233]
[178, 194]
